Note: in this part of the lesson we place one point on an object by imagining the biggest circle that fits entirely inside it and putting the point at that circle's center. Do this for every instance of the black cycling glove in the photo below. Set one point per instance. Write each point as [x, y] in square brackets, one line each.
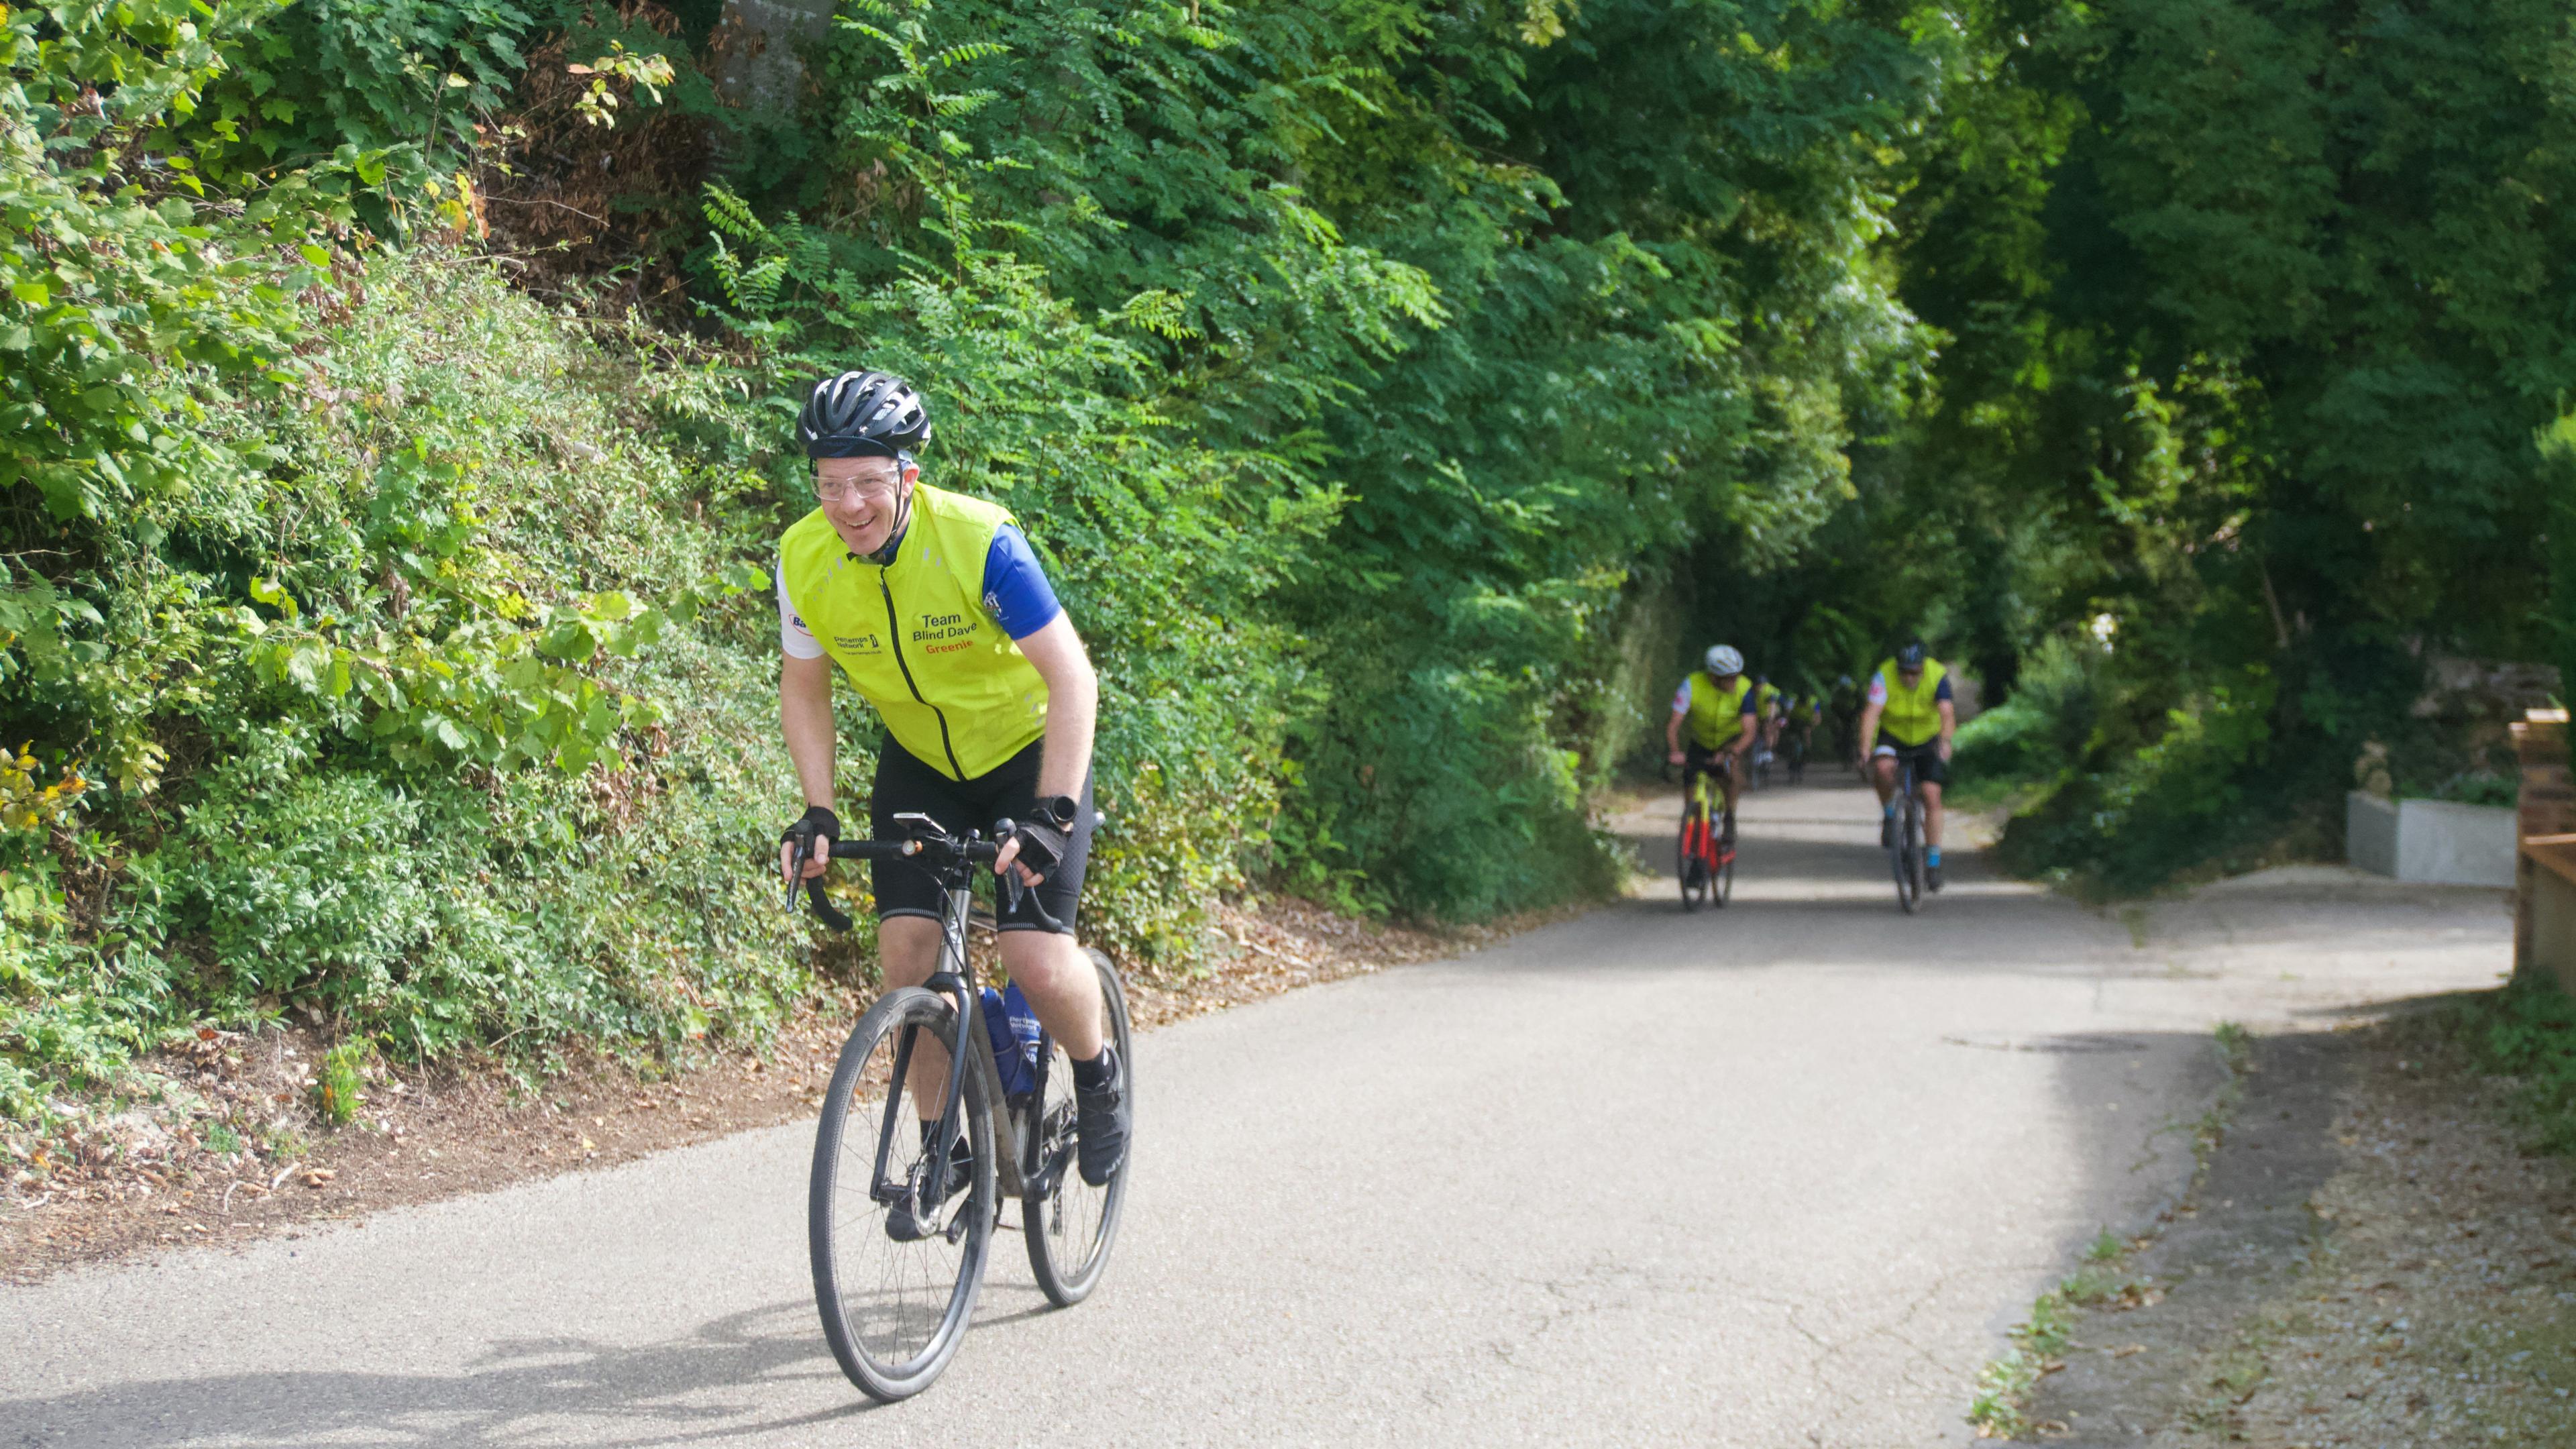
[1045, 835]
[817, 821]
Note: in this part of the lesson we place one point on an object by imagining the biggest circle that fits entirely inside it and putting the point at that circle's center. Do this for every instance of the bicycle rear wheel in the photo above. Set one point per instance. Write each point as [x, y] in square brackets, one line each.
[1722, 889]
[1069, 1223]
[896, 1300]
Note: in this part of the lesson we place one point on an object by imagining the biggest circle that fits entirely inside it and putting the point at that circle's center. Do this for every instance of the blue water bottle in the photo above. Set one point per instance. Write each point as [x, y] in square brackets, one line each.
[1025, 1033]
[1005, 1016]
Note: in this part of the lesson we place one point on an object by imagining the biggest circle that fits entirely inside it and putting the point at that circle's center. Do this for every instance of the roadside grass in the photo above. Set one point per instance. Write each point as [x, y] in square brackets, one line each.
[2523, 1035]
[1998, 1409]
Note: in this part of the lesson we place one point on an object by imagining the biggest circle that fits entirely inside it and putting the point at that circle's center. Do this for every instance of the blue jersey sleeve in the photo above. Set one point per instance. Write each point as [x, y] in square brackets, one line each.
[1016, 591]
[1941, 691]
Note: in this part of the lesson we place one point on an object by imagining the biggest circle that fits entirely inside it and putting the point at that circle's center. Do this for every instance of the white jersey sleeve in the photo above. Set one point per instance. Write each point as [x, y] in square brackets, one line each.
[794, 639]
[1878, 689]
[1681, 697]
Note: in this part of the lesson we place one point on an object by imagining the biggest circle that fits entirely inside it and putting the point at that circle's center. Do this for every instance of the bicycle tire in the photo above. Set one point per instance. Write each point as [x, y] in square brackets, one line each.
[1689, 865]
[870, 1319]
[1092, 1212]
[1724, 888]
[1908, 859]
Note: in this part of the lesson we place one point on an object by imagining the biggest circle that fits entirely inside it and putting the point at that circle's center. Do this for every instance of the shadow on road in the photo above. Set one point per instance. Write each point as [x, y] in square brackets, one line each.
[711, 1385]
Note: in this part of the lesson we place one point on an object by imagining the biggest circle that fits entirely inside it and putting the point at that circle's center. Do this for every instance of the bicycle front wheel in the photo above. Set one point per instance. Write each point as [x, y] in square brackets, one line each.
[1689, 863]
[898, 1245]
[1908, 860]
[1069, 1223]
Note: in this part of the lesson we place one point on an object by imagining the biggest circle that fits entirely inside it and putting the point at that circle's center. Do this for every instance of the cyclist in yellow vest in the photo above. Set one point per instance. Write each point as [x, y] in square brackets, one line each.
[1909, 713]
[1715, 708]
[1766, 713]
[935, 608]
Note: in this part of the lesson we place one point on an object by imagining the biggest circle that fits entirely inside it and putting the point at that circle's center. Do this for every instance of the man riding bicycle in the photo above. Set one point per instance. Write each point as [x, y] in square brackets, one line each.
[1716, 703]
[1766, 715]
[1910, 715]
[936, 608]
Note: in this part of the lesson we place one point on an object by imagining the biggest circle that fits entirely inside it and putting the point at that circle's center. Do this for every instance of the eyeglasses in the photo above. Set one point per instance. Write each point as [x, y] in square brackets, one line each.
[865, 490]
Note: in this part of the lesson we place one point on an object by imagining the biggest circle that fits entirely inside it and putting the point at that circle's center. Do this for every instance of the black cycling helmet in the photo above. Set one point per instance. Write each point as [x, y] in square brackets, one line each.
[1910, 656]
[863, 415]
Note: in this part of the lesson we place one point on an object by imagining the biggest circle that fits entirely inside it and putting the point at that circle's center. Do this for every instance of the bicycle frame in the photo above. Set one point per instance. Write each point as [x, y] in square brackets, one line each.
[955, 979]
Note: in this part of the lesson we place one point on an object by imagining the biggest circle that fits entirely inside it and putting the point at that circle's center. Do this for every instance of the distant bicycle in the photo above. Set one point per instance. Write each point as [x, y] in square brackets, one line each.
[912, 1159]
[1706, 855]
[1795, 747]
[1905, 856]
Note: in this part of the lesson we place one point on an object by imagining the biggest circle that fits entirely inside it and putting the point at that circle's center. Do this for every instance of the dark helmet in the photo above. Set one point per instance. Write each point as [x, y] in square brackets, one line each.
[1910, 656]
[863, 415]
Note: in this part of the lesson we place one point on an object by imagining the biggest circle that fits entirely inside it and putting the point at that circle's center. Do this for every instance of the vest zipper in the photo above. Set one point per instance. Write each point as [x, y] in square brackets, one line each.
[894, 640]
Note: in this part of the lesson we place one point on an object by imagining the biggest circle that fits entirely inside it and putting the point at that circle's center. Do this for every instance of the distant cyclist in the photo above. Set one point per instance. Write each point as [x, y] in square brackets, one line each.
[1799, 714]
[1715, 707]
[1766, 714]
[1843, 714]
[1909, 714]
[935, 607]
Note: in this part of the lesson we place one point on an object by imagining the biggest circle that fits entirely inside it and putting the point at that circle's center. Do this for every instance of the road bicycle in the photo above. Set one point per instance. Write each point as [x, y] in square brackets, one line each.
[911, 1160]
[1905, 856]
[1793, 743]
[1706, 857]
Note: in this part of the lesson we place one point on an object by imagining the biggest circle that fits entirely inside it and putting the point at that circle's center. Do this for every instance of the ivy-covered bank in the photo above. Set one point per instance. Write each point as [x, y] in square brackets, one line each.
[396, 395]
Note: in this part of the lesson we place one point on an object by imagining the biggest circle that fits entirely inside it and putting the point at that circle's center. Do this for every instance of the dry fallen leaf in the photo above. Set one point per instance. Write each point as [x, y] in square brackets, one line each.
[319, 1176]
[2127, 1349]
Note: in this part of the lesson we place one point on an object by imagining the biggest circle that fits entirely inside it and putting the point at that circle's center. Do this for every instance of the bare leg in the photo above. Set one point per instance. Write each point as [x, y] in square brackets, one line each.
[1062, 986]
[907, 952]
[1882, 777]
[1931, 814]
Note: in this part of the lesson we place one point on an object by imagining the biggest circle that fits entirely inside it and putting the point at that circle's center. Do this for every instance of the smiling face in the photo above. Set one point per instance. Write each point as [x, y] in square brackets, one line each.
[863, 498]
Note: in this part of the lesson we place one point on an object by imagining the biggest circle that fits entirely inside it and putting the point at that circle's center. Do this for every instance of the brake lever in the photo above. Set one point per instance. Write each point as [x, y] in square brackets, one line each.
[824, 911]
[1014, 892]
[796, 873]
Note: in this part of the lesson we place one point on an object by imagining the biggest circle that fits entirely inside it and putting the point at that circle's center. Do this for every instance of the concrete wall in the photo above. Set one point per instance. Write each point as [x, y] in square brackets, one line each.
[2370, 832]
[2436, 842]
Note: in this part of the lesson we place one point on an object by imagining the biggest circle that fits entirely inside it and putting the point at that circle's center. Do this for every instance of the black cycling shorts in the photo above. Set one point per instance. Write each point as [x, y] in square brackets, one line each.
[1698, 758]
[905, 785]
[1929, 767]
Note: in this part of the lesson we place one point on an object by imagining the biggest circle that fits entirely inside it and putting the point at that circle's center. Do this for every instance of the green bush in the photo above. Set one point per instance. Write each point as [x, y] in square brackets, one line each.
[2044, 730]
[2526, 1033]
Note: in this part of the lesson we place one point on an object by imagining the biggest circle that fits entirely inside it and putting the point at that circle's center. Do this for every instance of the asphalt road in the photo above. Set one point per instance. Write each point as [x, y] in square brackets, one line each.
[1777, 1175]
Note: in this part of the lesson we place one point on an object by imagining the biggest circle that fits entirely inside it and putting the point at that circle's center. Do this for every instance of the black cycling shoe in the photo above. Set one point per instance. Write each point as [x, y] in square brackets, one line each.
[1887, 832]
[903, 1227]
[1101, 1120]
[1932, 877]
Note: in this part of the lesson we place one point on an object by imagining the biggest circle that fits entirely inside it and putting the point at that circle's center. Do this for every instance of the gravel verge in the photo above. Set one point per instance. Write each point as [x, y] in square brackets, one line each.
[2371, 1258]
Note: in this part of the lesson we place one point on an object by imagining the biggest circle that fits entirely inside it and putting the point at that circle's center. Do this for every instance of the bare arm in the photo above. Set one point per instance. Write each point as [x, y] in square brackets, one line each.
[1868, 731]
[1073, 708]
[1949, 726]
[1073, 705]
[1673, 737]
[805, 717]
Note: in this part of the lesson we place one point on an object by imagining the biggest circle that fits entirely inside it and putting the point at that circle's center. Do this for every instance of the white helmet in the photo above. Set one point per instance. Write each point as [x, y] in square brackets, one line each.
[1723, 661]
